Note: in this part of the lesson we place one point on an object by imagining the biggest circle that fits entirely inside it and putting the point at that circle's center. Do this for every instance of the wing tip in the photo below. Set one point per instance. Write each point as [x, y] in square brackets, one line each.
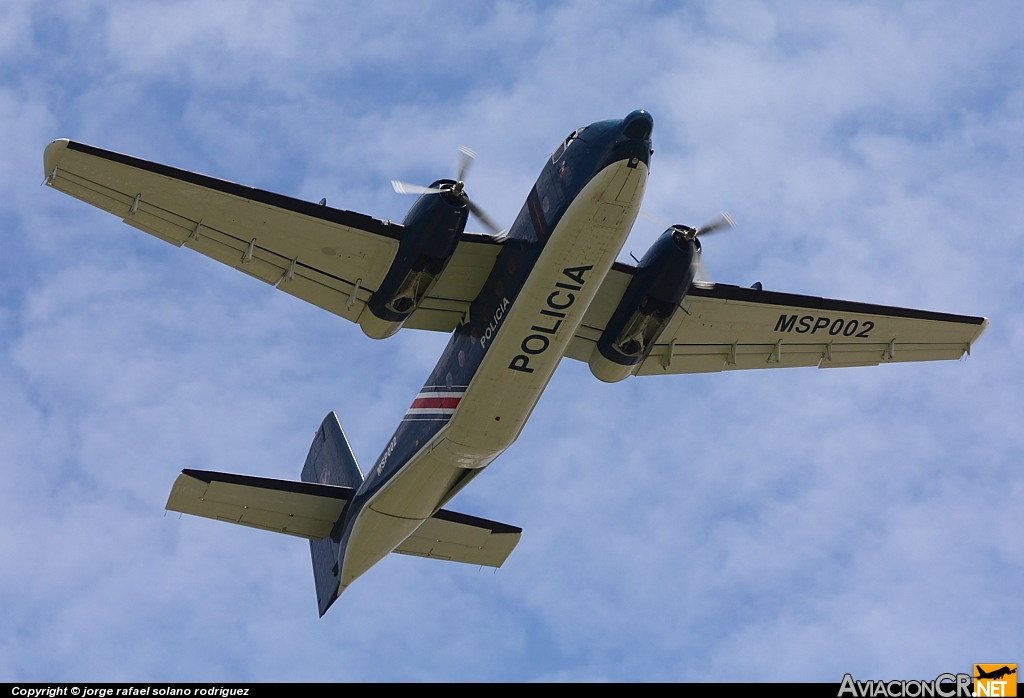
[186, 488]
[52, 155]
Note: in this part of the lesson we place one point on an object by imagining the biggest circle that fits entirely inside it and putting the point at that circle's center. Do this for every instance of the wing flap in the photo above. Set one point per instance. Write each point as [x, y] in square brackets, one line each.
[333, 295]
[468, 269]
[105, 198]
[458, 537]
[306, 510]
[606, 300]
[448, 301]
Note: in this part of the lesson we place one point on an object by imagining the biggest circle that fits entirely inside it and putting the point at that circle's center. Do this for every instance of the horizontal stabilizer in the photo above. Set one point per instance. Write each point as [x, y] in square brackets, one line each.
[310, 510]
[448, 535]
[305, 509]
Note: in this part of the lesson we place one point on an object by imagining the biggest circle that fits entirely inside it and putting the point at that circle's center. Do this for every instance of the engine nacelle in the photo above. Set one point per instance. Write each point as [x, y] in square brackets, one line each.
[651, 299]
[433, 227]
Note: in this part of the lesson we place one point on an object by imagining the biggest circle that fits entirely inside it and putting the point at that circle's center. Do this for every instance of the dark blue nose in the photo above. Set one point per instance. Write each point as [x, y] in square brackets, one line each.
[638, 124]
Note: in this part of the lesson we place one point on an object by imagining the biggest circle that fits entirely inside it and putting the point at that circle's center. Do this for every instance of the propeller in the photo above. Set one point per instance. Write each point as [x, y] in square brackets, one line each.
[456, 190]
[723, 222]
[701, 277]
[466, 158]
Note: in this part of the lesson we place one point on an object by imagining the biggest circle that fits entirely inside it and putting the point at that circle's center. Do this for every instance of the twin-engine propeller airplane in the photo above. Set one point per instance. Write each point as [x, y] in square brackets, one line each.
[516, 303]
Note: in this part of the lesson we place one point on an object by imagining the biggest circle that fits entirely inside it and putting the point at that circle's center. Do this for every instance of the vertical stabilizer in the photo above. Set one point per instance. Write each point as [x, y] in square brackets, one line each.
[330, 462]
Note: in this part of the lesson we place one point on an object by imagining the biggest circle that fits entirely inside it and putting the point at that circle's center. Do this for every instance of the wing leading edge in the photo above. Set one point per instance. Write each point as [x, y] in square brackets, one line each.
[331, 258]
[732, 328]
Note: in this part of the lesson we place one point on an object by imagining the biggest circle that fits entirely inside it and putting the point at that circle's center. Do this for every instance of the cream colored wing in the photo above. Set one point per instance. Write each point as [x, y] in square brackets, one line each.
[730, 328]
[331, 258]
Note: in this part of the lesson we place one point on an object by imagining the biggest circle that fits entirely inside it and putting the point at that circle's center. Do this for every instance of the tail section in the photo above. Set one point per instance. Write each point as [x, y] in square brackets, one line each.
[330, 462]
[311, 509]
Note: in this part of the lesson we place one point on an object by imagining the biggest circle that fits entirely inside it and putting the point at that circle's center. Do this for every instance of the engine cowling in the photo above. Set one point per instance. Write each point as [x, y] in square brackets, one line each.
[651, 299]
[433, 227]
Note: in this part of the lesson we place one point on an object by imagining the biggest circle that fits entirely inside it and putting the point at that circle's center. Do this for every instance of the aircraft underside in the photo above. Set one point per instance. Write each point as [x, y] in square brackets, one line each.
[516, 303]
[578, 254]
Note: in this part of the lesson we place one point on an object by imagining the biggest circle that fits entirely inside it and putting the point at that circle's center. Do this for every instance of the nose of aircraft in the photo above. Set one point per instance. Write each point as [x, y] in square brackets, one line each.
[638, 124]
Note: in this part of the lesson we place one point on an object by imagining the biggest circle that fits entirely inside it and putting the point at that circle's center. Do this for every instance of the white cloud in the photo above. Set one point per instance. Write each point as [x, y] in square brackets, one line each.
[779, 525]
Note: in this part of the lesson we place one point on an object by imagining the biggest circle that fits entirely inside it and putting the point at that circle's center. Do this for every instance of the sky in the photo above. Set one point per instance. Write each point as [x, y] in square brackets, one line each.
[789, 525]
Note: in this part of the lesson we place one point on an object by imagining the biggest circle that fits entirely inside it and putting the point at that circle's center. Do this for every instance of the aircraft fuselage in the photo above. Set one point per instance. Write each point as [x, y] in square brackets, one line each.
[498, 362]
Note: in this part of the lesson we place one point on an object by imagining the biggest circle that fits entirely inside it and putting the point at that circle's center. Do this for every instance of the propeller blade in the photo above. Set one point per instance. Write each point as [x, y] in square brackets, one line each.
[654, 219]
[466, 157]
[483, 217]
[701, 277]
[405, 188]
[718, 224]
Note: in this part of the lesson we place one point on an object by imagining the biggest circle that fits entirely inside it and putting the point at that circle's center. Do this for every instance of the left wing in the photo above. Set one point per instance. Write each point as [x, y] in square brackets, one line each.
[331, 258]
[731, 328]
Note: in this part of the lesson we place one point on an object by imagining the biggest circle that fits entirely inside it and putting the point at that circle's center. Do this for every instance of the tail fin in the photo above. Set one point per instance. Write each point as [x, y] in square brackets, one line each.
[330, 462]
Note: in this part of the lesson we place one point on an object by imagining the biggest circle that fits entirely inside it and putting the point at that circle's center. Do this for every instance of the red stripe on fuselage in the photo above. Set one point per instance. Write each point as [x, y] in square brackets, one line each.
[448, 403]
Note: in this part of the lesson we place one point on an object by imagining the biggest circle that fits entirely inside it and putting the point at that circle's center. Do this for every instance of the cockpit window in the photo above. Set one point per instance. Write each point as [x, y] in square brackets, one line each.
[566, 143]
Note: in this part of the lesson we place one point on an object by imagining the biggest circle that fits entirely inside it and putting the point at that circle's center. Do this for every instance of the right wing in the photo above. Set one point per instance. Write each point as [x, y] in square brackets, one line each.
[732, 328]
[331, 258]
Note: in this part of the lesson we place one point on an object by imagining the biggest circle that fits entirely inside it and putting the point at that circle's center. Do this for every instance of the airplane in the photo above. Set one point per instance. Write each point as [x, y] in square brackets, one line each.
[996, 674]
[515, 301]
